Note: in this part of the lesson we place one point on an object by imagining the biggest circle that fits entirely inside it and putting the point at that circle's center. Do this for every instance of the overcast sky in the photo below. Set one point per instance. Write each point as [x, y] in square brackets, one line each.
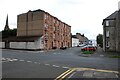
[85, 16]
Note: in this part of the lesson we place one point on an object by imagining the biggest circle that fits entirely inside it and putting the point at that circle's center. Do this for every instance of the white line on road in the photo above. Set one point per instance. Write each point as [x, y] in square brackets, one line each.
[54, 53]
[65, 67]
[3, 59]
[47, 64]
[14, 59]
[21, 60]
[55, 66]
[10, 60]
[29, 61]
[71, 75]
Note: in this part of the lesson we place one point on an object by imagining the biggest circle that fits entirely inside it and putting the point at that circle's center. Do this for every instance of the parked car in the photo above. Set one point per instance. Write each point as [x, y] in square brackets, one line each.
[81, 45]
[88, 48]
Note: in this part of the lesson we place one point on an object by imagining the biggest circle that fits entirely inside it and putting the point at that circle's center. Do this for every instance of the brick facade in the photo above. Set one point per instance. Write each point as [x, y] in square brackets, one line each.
[55, 33]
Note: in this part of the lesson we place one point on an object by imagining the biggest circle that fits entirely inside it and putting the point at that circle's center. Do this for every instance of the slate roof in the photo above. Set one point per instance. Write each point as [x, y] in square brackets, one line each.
[74, 36]
[112, 16]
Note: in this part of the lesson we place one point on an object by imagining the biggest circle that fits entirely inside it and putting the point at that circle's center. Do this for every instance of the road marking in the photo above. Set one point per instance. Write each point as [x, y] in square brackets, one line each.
[101, 55]
[65, 67]
[54, 53]
[10, 60]
[63, 74]
[3, 59]
[97, 70]
[86, 74]
[15, 59]
[71, 75]
[55, 66]
[117, 76]
[67, 74]
[21, 60]
[47, 64]
[29, 61]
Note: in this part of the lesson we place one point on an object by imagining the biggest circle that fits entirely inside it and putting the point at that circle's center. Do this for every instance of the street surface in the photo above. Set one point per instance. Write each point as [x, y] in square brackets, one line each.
[56, 64]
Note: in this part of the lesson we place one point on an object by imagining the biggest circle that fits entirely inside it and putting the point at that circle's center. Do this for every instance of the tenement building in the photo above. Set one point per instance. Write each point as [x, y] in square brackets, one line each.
[55, 33]
[111, 32]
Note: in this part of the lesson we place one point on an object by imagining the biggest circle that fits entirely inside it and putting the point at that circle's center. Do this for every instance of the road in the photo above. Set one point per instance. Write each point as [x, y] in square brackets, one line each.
[51, 64]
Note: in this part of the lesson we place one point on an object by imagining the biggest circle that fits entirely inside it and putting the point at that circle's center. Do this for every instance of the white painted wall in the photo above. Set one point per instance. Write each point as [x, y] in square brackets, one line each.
[18, 45]
[2, 44]
[37, 44]
[75, 42]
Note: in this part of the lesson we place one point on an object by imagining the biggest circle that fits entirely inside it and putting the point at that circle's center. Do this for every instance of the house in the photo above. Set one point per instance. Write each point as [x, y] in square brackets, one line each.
[82, 38]
[79, 39]
[111, 32]
[75, 41]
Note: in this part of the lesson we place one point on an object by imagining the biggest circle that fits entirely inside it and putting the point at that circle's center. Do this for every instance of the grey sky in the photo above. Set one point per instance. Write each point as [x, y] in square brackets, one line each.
[85, 16]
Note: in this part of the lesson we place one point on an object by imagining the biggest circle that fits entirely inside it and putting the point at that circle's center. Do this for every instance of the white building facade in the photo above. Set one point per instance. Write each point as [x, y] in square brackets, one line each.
[75, 42]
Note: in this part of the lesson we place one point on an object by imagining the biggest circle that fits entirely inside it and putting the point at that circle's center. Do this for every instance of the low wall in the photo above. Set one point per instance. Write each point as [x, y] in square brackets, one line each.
[24, 45]
[2, 44]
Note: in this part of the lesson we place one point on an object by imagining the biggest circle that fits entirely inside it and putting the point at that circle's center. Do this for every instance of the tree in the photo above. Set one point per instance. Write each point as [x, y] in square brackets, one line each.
[100, 40]
[8, 33]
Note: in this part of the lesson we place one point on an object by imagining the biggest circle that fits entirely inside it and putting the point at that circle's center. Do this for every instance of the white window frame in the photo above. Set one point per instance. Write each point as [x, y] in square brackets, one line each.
[107, 23]
[107, 33]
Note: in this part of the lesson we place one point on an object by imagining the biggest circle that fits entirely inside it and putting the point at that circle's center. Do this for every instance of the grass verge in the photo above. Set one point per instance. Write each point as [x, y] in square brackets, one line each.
[114, 56]
[87, 52]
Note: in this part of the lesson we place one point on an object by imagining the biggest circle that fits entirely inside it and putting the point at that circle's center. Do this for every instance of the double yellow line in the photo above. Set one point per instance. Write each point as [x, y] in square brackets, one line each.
[71, 70]
[66, 73]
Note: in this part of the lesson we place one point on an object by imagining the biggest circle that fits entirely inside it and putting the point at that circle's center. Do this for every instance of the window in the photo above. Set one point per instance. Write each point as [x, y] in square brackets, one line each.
[54, 36]
[46, 25]
[107, 23]
[54, 44]
[107, 33]
[107, 44]
[45, 16]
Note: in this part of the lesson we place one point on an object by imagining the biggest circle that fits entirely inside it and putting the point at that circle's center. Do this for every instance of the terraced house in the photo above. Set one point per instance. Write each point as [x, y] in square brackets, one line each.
[111, 32]
[52, 32]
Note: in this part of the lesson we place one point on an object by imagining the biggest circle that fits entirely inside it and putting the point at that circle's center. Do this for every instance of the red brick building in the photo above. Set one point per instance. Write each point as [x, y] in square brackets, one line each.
[55, 33]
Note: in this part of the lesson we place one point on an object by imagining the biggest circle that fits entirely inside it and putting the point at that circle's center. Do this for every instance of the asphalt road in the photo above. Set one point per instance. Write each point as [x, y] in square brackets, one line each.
[50, 64]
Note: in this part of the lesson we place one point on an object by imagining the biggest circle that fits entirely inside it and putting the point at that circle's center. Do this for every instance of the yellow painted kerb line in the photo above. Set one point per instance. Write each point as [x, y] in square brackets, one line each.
[99, 70]
[66, 73]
